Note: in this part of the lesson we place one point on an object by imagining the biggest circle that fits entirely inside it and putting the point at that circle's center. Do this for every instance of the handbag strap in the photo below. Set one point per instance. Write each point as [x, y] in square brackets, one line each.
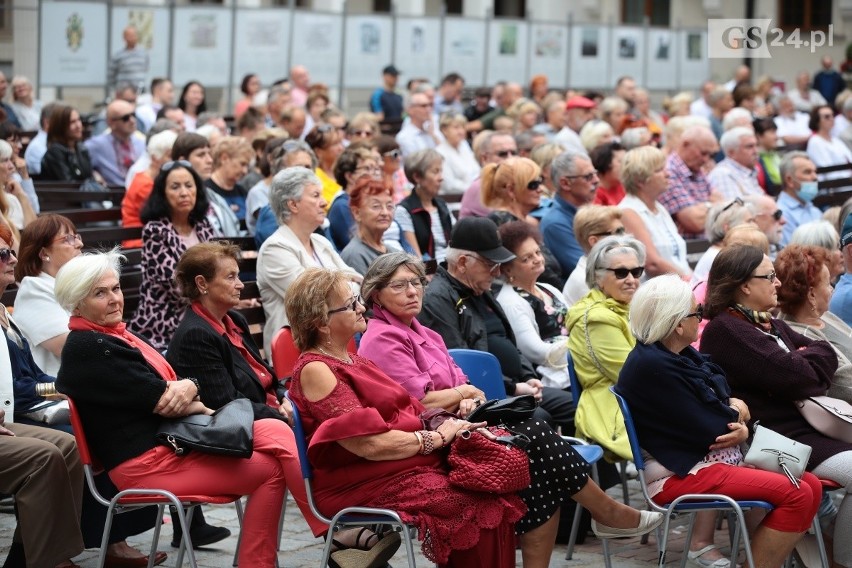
[589, 347]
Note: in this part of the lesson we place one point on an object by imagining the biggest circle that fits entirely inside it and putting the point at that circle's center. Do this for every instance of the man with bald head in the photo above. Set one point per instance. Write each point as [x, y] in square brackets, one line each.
[690, 196]
[300, 81]
[113, 152]
[130, 65]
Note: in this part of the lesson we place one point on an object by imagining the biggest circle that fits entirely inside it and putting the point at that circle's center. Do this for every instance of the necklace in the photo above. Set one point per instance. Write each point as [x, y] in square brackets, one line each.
[345, 359]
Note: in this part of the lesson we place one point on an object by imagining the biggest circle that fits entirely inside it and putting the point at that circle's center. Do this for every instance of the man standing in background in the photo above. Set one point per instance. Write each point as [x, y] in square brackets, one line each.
[130, 65]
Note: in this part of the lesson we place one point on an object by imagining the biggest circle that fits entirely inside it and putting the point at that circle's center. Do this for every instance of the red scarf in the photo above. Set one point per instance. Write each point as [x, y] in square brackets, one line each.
[153, 357]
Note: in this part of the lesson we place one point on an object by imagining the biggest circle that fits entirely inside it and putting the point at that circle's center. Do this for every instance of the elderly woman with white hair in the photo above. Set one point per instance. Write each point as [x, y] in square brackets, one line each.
[821, 234]
[295, 197]
[643, 173]
[696, 448]
[721, 218]
[595, 133]
[613, 111]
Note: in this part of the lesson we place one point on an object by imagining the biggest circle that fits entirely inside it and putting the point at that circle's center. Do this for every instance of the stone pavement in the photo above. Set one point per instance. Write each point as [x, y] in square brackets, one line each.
[299, 549]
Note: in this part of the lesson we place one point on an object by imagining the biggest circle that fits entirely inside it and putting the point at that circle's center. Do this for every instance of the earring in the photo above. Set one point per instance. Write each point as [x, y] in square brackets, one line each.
[204, 292]
[47, 259]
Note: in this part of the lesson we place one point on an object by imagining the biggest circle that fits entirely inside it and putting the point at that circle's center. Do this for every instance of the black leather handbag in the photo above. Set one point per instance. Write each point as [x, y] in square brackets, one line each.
[504, 410]
[228, 431]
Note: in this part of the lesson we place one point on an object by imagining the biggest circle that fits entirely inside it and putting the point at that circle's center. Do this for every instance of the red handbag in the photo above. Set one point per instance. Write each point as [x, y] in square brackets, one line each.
[478, 463]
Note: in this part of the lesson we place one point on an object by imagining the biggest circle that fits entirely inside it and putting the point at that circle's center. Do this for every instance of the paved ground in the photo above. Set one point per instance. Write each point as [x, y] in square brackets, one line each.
[300, 550]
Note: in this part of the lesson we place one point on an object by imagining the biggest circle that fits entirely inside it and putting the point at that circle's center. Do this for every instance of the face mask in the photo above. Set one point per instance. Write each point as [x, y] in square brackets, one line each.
[807, 191]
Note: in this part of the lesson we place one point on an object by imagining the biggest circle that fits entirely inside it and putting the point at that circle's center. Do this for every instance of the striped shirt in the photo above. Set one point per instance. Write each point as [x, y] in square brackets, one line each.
[129, 66]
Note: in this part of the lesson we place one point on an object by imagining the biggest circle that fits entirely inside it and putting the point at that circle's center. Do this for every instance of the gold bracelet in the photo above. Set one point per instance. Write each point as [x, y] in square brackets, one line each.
[460, 393]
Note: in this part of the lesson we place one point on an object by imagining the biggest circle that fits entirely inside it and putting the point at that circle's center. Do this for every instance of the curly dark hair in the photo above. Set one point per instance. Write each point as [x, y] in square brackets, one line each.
[157, 206]
[514, 233]
[731, 268]
[798, 267]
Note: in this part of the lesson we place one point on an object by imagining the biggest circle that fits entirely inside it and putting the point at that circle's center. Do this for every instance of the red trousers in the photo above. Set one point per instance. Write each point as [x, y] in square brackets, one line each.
[264, 477]
[794, 508]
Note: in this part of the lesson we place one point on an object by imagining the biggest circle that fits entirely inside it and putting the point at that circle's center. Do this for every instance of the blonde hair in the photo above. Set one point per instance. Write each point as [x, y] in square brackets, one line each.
[497, 177]
[591, 219]
[593, 134]
[307, 304]
[522, 106]
[746, 234]
[638, 165]
[231, 146]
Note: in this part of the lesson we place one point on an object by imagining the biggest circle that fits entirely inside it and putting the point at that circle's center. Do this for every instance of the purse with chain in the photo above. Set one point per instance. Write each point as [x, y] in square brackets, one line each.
[772, 451]
[829, 416]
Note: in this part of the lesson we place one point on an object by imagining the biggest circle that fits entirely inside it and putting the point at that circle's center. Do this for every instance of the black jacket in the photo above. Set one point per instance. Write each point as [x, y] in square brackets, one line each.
[422, 221]
[451, 309]
[60, 163]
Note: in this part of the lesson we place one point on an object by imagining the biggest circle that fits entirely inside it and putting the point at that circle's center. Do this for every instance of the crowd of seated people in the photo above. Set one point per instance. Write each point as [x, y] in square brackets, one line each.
[548, 254]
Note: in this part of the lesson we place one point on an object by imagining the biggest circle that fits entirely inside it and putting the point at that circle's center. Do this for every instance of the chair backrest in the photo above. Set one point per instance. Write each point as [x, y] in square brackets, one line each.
[301, 440]
[632, 436]
[576, 387]
[483, 371]
[79, 435]
[285, 353]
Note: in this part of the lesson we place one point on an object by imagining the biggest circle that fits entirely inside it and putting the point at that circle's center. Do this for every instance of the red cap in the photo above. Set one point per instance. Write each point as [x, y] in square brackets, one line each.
[579, 102]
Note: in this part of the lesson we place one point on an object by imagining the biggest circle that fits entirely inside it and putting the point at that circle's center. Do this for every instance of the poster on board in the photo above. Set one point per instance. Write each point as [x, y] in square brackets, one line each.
[152, 26]
[507, 51]
[464, 49]
[201, 46]
[261, 44]
[416, 46]
[549, 53]
[73, 44]
[660, 61]
[368, 50]
[317, 42]
[628, 54]
[694, 66]
[590, 57]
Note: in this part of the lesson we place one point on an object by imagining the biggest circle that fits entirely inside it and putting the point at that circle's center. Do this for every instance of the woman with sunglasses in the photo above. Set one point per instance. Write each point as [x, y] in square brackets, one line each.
[690, 425]
[175, 219]
[392, 172]
[643, 173]
[823, 148]
[327, 143]
[460, 165]
[771, 366]
[362, 127]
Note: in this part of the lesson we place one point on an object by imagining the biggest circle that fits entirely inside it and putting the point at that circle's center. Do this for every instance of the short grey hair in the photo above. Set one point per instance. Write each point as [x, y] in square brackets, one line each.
[288, 185]
[611, 104]
[599, 257]
[788, 163]
[160, 145]
[565, 164]
[732, 138]
[632, 137]
[452, 255]
[820, 233]
[383, 268]
[292, 147]
[723, 217]
[77, 277]
[733, 118]
[658, 307]
[206, 117]
[417, 163]
[5, 150]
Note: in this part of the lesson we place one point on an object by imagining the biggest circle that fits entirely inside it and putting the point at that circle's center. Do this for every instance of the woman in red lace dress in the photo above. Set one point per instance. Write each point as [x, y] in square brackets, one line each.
[368, 447]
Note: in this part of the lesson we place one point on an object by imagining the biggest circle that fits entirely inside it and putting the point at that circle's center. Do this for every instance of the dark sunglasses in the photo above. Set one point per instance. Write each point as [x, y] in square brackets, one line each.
[125, 117]
[698, 313]
[353, 306]
[618, 231]
[506, 153]
[393, 154]
[169, 166]
[535, 184]
[325, 128]
[777, 214]
[621, 273]
[6, 254]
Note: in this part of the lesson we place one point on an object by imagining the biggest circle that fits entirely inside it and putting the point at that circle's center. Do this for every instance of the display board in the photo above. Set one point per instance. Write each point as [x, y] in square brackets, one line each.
[589, 57]
[464, 49]
[417, 47]
[317, 44]
[72, 44]
[660, 60]
[548, 52]
[627, 54]
[201, 46]
[152, 27]
[261, 43]
[368, 50]
[694, 66]
[508, 51]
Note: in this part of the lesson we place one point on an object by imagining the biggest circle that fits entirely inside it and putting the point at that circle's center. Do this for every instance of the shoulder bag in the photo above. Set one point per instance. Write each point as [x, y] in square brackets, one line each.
[829, 416]
[772, 451]
[479, 463]
[228, 431]
[504, 410]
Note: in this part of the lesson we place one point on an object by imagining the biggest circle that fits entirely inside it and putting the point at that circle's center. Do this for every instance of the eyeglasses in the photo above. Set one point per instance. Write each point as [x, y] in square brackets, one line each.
[125, 117]
[393, 154]
[6, 254]
[506, 153]
[169, 166]
[535, 184]
[325, 128]
[736, 201]
[698, 313]
[400, 286]
[69, 239]
[353, 306]
[770, 276]
[493, 267]
[617, 231]
[377, 207]
[368, 169]
[777, 214]
[587, 177]
[621, 273]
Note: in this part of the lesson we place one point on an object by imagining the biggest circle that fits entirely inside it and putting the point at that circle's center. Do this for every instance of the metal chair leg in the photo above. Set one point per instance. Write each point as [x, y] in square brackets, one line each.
[239, 506]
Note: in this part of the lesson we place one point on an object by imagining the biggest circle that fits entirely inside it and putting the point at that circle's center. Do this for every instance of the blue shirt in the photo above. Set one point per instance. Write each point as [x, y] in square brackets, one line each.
[557, 228]
[795, 213]
[841, 300]
[340, 218]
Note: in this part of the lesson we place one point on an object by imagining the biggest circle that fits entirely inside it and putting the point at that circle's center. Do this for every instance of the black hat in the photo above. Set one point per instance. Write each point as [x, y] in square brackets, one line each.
[479, 234]
[390, 70]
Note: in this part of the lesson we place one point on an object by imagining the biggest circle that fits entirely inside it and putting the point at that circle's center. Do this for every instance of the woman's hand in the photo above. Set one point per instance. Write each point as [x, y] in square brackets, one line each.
[467, 406]
[21, 167]
[737, 435]
[532, 386]
[285, 409]
[453, 426]
[176, 398]
[740, 407]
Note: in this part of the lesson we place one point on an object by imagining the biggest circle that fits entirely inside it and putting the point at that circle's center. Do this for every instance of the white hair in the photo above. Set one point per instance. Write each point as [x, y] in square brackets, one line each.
[820, 233]
[635, 137]
[723, 217]
[593, 132]
[658, 307]
[160, 145]
[5, 150]
[732, 138]
[289, 185]
[598, 260]
[737, 116]
[208, 131]
[77, 277]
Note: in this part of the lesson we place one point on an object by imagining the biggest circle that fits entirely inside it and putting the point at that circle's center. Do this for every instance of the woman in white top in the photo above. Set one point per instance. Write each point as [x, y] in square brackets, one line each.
[296, 198]
[823, 148]
[643, 173]
[18, 209]
[460, 165]
[535, 310]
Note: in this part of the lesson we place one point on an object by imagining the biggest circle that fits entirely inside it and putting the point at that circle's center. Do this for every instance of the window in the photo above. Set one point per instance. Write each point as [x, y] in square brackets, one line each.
[382, 6]
[510, 9]
[658, 12]
[804, 14]
[454, 7]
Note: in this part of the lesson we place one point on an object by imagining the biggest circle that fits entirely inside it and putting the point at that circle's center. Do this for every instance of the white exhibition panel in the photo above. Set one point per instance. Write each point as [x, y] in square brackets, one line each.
[661, 60]
[368, 50]
[464, 49]
[549, 52]
[201, 46]
[261, 45]
[417, 47]
[695, 66]
[627, 52]
[589, 58]
[316, 44]
[508, 51]
[72, 44]
[152, 25]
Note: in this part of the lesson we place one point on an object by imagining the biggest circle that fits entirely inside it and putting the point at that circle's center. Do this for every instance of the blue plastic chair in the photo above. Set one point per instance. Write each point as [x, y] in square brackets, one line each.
[350, 516]
[692, 503]
[483, 371]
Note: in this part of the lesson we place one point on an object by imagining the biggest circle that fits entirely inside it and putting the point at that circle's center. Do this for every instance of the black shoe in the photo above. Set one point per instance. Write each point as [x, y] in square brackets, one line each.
[203, 535]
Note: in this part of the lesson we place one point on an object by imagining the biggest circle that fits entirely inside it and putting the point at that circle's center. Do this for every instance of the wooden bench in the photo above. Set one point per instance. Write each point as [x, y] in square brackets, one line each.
[695, 249]
[51, 200]
[84, 217]
[255, 316]
[108, 237]
[834, 191]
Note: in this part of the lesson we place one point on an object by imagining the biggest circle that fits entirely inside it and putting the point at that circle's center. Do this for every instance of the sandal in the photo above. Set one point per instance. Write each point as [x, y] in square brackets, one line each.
[694, 558]
[382, 551]
[366, 545]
